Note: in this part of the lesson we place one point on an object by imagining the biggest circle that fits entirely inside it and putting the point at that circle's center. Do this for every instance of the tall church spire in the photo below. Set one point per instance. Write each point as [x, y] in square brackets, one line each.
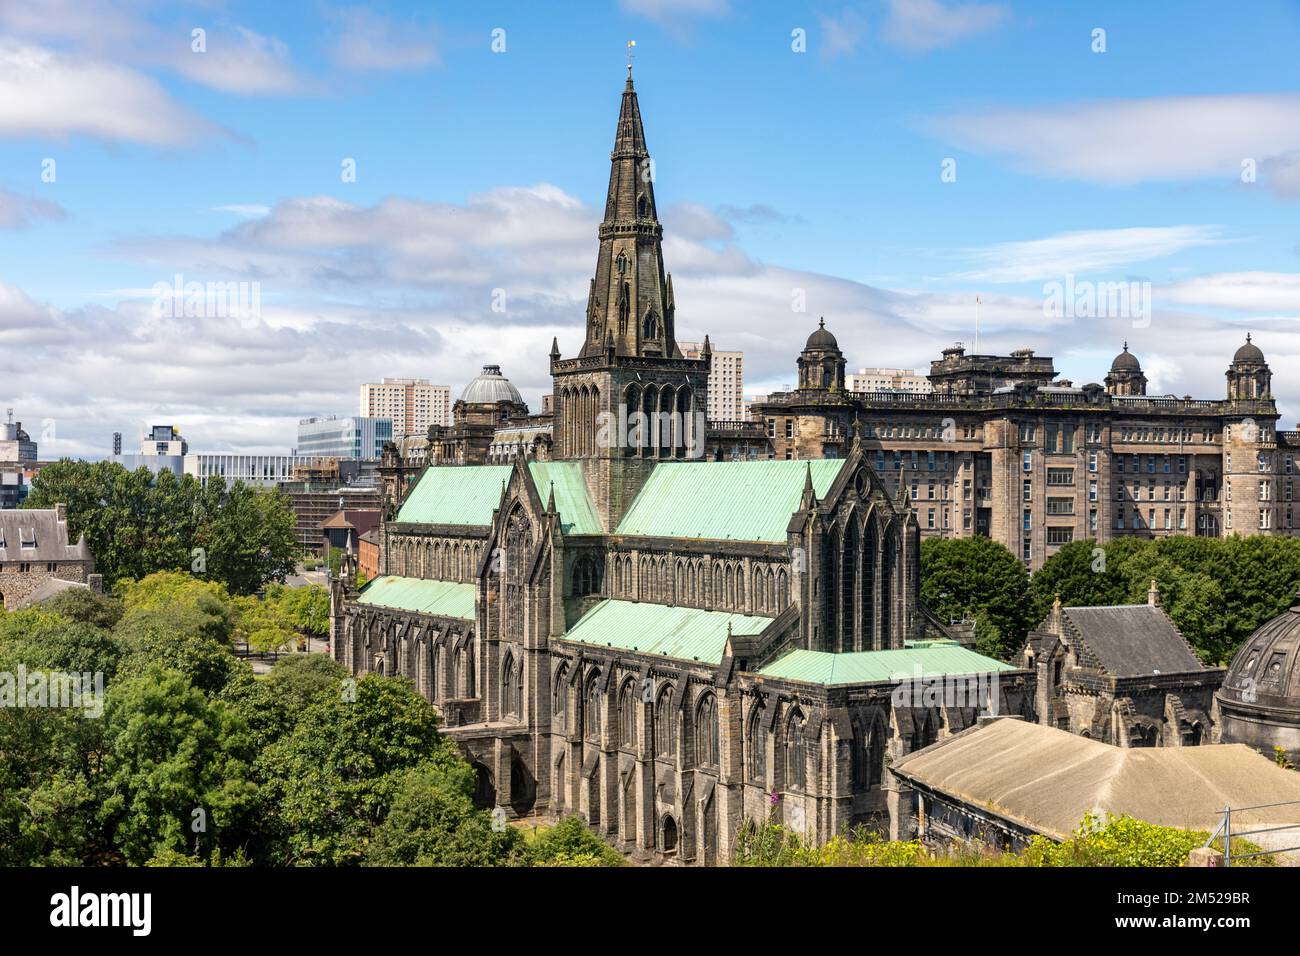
[631, 294]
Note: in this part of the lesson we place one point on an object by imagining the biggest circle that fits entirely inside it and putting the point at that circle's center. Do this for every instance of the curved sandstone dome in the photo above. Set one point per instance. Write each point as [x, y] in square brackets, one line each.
[1260, 696]
[821, 339]
[491, 387]
[1248, 353]
[1126, 361]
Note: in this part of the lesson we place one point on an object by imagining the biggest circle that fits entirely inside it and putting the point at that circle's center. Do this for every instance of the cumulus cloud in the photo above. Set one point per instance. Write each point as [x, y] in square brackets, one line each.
[1126, 141]
[403, 287]
[44, 93]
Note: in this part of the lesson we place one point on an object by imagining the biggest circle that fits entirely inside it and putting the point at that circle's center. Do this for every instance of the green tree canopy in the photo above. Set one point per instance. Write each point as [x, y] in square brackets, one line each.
[136, 523]
[978, 579]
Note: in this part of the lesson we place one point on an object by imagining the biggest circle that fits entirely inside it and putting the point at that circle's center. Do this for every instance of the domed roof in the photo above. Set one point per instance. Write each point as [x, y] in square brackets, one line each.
[821, 339]
[1248, 353]
[491, 387]
[1266, 671]
[1126, 361]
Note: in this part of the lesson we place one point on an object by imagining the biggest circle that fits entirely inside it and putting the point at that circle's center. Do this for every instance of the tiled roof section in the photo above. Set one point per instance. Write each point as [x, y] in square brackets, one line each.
[455, 495]
[682, 633]
[724, 500]
[45, 535]
[1132, 640]
[1048, 779]
[869, 667]
[440, 598]
[577, 514]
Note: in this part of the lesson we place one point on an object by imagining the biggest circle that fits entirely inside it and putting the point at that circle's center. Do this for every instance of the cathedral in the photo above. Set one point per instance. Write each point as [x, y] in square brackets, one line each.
[671, 646]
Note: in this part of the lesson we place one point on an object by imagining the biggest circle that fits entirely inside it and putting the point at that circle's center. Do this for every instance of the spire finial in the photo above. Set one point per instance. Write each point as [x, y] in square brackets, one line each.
[821, 322]
[631, 45]
[1248, 337]
[1126, 345]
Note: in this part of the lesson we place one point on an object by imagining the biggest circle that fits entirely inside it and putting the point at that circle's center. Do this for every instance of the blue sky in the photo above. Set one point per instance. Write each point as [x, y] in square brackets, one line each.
[477, 170]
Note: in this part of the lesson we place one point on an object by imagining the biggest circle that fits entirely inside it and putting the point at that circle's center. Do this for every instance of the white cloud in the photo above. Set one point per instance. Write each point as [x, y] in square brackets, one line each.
[924, 25]
[1083, 252]
[244, 209]
[18, 212]
[236, 60]
[48, 93]
[1140, 140]
[368, 41]
[404, 287]
[1241, 291]
[669, 11]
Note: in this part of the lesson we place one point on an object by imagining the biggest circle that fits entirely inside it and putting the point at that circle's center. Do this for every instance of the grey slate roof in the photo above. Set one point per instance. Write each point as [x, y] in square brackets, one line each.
[1132, 640]
[48, 588]
[41, 525]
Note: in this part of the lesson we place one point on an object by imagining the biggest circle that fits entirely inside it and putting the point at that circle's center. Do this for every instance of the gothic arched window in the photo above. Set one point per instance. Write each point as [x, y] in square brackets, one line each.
[757, 745]
[559, 697]
[706, 731]
[664, 722]
[795, 761]
[591, 706]
[627, 715]
[650, 328]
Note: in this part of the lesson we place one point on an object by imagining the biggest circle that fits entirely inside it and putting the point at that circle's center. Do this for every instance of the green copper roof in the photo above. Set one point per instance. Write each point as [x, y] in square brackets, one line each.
[577, 515]
[443, 598]
[683, 633]
[724, 500]
[455, 494]
[866, 667]
[466, 495]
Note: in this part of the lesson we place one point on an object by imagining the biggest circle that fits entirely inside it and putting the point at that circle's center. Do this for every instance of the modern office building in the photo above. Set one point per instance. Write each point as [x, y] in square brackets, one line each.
[356, 437]
[726, 382]
[411, 403]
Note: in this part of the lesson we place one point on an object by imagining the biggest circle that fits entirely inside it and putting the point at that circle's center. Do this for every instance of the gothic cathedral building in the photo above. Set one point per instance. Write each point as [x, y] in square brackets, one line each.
[671, 647]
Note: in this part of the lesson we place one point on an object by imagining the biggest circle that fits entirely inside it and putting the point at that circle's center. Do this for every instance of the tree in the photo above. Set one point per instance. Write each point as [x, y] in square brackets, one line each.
[136, 523]
[433, 823]
[571, 843]
[85, 605]
[1080, 575]
[331, 781]
[176, 771]
[977, 578]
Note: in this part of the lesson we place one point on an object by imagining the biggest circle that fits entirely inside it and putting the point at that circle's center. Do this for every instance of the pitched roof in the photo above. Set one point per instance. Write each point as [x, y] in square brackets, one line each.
[682, 633]
[577, 513]
[867, 667]
[455, 495]
[441, 598]
[40, 528]
[466, 494]
[1048, 780]
[724, 500]
[48, 589]
[1133, 640]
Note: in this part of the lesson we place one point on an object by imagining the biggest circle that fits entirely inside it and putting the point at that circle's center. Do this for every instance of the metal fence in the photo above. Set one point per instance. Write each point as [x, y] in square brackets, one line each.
[1226, 830]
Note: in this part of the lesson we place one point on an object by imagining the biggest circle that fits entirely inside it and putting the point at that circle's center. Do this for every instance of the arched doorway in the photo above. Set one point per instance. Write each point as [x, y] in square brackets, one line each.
[485, 790]
[668, 838]
[523, 788]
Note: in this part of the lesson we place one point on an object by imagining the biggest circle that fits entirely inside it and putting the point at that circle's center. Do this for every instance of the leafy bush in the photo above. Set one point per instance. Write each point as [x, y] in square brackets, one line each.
[570, 843]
